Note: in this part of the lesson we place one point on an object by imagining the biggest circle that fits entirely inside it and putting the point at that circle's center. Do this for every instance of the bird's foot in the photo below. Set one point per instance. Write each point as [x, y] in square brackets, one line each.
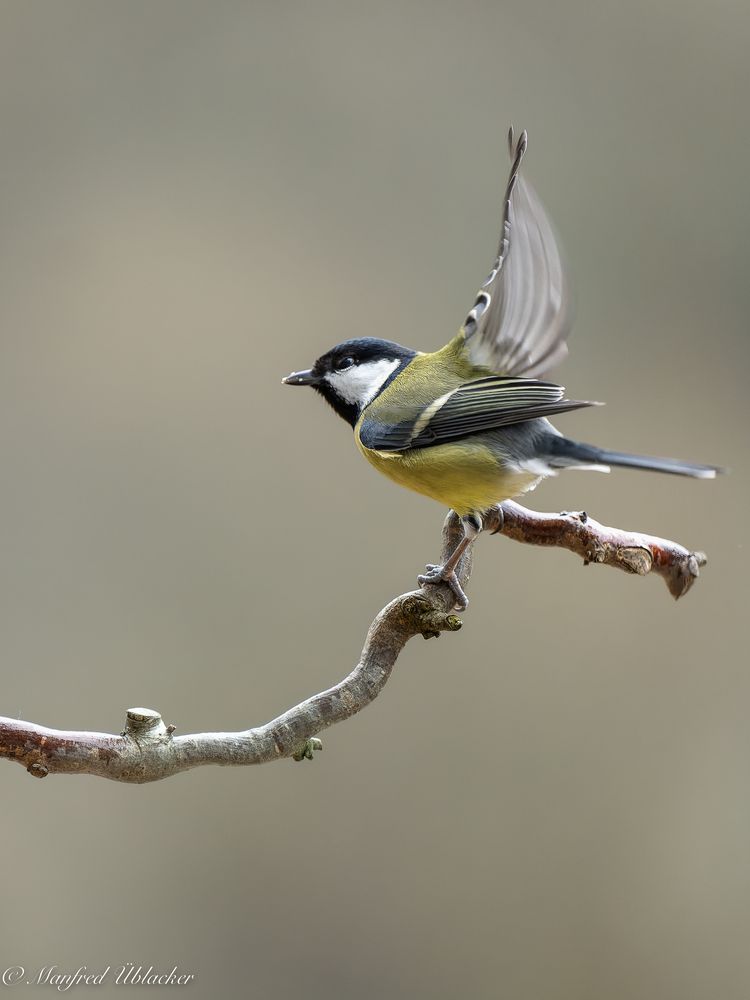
[436, 575]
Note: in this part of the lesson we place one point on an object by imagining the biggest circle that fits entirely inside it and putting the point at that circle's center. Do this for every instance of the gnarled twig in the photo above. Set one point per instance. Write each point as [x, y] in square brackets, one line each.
[148, 750]
[596, 543]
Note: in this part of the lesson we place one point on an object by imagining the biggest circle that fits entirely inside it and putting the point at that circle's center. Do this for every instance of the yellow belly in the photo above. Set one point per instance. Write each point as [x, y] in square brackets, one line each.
[466, 477]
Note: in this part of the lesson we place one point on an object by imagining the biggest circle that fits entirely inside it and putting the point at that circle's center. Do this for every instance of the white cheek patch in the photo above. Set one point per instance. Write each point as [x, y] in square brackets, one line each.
[361, 383]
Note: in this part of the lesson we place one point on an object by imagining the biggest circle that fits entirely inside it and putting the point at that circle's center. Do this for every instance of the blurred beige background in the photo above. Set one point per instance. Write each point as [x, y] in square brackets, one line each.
[199, 197]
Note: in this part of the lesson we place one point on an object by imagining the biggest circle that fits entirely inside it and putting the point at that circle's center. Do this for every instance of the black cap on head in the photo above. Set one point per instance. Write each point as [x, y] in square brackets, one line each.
[352, 373]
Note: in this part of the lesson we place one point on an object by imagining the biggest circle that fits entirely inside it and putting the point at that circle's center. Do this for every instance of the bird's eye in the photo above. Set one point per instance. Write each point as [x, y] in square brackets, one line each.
[343, 363]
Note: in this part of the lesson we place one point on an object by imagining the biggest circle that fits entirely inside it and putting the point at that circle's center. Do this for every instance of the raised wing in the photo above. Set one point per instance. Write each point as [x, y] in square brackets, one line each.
[480, 405]
[522, 313]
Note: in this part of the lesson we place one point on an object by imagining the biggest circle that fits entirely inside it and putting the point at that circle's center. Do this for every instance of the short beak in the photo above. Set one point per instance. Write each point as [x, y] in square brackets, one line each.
[301, 378]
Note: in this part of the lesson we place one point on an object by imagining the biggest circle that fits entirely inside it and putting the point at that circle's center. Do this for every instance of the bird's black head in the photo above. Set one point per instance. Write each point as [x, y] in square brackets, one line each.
[351, 375]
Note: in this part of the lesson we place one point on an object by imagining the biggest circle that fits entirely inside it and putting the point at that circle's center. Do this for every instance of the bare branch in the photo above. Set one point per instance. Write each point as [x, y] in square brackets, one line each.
[596, 543]
[148, 750]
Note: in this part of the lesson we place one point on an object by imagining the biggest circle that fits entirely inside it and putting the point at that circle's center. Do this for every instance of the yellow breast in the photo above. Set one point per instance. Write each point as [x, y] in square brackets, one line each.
[465, 476]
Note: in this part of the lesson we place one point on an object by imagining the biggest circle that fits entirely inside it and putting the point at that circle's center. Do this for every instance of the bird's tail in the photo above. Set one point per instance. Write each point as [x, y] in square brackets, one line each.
[564, 453]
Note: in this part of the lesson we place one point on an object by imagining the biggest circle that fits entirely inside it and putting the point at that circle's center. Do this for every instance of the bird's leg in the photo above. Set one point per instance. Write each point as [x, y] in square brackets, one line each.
[472, 524]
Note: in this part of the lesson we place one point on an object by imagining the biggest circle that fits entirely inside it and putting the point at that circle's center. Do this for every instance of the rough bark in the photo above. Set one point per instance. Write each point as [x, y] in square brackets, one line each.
[148, 750]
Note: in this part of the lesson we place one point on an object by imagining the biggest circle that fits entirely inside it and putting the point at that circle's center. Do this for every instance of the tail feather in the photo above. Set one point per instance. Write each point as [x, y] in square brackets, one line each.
[564, 453]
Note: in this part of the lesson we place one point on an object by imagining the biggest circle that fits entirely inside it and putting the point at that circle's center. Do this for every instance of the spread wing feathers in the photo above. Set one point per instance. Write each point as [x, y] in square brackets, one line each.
[480, 405]
[522, 313]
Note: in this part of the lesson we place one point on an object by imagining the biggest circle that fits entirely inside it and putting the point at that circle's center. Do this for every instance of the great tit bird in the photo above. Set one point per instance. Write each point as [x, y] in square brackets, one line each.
[467, 425]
